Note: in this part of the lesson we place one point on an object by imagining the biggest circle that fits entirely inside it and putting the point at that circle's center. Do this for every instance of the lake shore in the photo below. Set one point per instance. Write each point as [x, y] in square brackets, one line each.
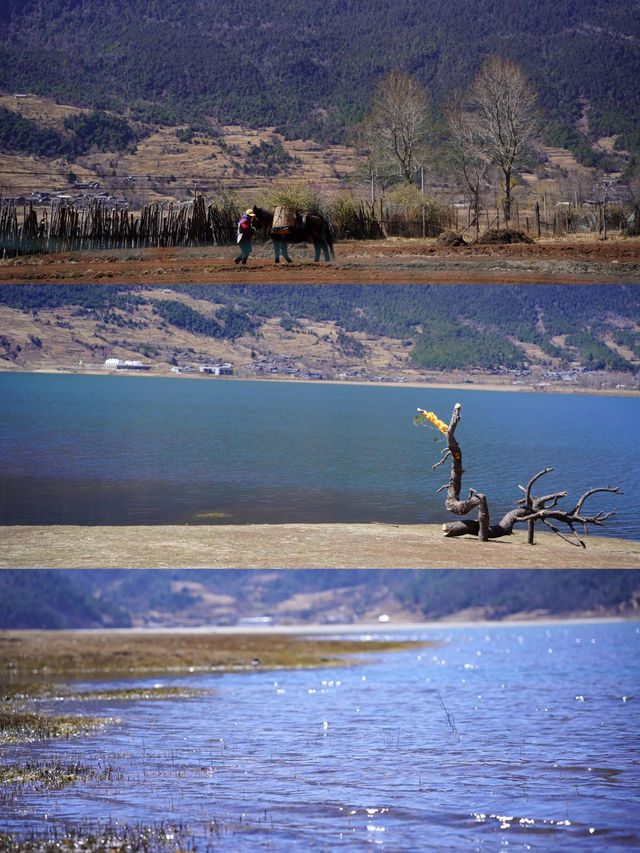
[138, 650]
[298, 546]
[480, 382]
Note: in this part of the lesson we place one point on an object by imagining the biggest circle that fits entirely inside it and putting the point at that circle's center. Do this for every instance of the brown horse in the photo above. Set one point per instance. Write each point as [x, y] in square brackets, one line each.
[309, 228]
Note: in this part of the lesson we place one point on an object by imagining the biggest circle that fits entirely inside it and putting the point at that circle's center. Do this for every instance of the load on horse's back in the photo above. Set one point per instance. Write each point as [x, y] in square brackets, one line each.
[286, 220]
[292, 225]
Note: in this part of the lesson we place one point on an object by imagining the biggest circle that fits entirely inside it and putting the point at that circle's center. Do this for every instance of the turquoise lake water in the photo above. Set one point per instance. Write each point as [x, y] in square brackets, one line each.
[500, 737]
[143, 450]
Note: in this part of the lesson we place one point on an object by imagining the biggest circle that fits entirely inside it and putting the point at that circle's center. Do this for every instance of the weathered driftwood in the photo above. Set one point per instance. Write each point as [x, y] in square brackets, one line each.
[530, 508]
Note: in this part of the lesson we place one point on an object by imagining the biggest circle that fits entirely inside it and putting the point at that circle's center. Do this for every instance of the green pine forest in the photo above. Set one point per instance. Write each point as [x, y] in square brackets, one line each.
[309, 68]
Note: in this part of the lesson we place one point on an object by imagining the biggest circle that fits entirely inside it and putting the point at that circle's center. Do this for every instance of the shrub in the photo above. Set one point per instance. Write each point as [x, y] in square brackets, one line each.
[305, 196]
[353, 219]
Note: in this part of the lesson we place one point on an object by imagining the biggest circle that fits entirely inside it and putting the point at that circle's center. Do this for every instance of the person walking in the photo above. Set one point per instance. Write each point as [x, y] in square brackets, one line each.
[246, 230]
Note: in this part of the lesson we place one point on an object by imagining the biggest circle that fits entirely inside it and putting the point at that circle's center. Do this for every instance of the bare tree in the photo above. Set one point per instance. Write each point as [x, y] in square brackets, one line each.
[374, 169]
[397, 127]
[502, 106]
[466, 150]
[530, 509]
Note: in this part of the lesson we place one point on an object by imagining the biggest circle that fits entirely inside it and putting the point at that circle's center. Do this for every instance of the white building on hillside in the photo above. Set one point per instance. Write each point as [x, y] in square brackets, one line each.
[128, 364]
[224, 369]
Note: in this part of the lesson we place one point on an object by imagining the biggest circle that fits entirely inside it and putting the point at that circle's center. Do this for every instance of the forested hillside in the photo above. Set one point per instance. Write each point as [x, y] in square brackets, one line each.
[309, 68]
[104, 598]
[97, 129]
[442, 328]
[53, 600]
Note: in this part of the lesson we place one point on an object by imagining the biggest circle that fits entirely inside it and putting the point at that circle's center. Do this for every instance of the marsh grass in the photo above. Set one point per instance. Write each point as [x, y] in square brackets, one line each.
[161, 838]
[71, 653]
[139, 693]
[43, 692]
[51, 775]
[29, 726]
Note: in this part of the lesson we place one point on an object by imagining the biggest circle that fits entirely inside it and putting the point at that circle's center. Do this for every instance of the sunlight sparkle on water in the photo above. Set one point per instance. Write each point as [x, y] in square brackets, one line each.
[272, 763]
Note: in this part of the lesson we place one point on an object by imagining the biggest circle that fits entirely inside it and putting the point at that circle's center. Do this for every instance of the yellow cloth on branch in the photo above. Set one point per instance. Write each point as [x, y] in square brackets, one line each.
[435, 420]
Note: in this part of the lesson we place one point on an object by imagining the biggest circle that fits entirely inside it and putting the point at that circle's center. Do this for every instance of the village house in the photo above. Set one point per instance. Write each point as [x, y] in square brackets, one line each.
[127, 364]
[224, 369]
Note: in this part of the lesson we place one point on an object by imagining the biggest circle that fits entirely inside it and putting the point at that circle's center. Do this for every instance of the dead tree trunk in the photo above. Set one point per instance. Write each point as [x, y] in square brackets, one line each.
[530, 509]
[475, 499]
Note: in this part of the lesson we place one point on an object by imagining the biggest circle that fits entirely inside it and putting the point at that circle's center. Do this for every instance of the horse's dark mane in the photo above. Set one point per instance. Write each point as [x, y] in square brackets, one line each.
[265, 217]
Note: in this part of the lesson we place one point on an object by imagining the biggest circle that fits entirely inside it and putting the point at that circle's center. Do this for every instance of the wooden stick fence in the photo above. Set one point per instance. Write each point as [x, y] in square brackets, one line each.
[65, 228]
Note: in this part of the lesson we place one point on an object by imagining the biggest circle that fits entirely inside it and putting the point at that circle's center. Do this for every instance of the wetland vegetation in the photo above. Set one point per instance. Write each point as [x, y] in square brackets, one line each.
[68, 654]
[134, 838]
[28, 726]
[71, 653]
[412, 744]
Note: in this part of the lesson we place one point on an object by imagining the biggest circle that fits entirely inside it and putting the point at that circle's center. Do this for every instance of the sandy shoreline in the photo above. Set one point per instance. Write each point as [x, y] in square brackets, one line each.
[309, 629]
[298, 546]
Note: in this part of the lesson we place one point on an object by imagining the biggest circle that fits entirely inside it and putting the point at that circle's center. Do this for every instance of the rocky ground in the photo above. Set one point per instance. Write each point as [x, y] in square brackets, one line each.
[390, 261]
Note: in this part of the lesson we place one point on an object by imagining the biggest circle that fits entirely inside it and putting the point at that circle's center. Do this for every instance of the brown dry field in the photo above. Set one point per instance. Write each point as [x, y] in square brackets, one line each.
[298, 546]
[390, 261]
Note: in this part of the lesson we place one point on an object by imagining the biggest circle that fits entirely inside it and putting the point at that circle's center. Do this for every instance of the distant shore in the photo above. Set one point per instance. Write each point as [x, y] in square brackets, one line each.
[109, 652]
[136, 651]
[299, 546]
[479, 384]
[366, 628]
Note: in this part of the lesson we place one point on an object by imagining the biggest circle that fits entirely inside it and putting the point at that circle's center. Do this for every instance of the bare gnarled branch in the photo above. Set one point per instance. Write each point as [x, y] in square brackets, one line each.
[529, 510]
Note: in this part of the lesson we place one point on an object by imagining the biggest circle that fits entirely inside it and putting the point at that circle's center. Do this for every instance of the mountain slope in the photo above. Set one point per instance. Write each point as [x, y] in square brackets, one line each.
[309, 68]
[53, 600]
[361, 329]
[94, 598]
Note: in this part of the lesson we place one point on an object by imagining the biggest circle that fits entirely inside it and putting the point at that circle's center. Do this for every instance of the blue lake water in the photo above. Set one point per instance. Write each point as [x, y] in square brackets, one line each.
[499, 737]
[134, 450]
